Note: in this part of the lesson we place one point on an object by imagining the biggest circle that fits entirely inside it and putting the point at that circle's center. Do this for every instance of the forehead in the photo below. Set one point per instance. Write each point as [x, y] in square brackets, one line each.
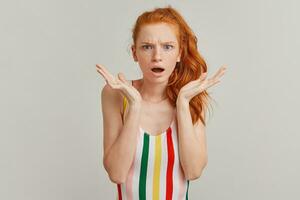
[160, 32]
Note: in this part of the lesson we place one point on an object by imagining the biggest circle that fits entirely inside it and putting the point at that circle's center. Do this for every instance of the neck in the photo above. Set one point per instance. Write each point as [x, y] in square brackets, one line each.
[153, 91]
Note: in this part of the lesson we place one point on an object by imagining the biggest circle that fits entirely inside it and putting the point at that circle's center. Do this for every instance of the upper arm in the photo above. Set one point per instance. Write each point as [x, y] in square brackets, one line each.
[112, 120]
[199, 129]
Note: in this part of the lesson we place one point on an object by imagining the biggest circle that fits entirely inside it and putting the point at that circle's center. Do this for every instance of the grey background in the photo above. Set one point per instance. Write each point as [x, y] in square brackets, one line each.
[50, 111]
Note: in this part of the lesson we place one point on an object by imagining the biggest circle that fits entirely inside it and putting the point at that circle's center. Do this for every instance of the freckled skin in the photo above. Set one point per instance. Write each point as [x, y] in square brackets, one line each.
[157, 44]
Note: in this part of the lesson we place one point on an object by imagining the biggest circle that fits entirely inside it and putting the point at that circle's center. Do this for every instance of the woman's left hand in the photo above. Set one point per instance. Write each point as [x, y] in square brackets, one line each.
[191, 89]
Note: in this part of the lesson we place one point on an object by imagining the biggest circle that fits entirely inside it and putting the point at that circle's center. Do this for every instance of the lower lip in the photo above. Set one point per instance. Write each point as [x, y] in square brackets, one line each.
[157, 73]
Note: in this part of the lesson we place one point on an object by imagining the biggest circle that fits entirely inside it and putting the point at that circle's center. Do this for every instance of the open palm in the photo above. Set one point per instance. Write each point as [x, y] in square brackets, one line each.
[120, 83]
[191, 89]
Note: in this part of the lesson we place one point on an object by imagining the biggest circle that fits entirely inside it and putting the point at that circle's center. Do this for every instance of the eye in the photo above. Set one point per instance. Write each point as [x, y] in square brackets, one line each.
[146, 46]
[168, 46]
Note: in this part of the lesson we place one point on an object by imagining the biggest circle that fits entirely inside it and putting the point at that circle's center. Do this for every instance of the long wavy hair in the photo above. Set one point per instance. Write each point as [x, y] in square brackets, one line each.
[191, 64]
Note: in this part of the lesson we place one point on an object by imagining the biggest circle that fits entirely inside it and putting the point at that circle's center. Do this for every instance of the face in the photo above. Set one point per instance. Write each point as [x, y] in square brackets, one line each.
[156, 46]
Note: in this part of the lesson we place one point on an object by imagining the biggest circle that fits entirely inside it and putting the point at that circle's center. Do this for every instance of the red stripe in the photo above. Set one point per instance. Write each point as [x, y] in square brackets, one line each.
[170, 166]
[119, 192]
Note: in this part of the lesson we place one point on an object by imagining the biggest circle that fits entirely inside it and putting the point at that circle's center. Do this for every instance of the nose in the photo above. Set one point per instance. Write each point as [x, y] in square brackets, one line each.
[156, 55]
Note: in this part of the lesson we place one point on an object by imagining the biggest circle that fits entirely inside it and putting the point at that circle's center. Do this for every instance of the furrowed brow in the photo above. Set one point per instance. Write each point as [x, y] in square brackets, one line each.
[169, 42]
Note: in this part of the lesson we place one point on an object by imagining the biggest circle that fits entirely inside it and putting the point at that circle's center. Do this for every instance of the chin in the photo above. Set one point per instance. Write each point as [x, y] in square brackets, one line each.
[161, 79]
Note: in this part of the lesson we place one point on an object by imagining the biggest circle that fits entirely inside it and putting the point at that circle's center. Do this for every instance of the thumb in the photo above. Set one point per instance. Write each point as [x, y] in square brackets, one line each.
[203, 76]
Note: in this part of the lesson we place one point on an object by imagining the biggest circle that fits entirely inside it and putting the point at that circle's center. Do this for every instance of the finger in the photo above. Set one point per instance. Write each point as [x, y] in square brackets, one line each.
[102, 74]
[197, 89]
[200, 80]
[203, 83]
[218, 75]
[220, 72]
[100, 70]
[214, 83]
[122, 78]
[99, 67]
[109, 78]
[196, 83]
[106, 72]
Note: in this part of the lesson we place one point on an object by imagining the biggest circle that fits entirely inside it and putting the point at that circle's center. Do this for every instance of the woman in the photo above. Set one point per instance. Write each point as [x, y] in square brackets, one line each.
[154, 127]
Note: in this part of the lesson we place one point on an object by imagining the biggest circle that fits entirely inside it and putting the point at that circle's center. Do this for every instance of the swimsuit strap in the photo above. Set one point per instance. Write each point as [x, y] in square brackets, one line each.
[125, 102]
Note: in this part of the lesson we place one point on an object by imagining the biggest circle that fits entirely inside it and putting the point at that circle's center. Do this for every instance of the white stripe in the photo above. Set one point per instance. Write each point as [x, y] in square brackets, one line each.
[123, 191]
[150, 167]
[137, 167]
[176, 166]
[163, 168]
[180, 174]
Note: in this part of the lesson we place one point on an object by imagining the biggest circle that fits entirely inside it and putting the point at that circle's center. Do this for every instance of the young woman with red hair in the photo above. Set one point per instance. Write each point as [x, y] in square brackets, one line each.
[154, 127]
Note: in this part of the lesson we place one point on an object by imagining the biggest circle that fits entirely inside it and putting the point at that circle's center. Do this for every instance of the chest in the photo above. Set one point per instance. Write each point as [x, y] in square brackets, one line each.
[162, 147]
[156, 119]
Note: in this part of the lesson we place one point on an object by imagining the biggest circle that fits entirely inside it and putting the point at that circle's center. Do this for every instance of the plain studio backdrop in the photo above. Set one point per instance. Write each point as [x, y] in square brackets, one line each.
[50, 110]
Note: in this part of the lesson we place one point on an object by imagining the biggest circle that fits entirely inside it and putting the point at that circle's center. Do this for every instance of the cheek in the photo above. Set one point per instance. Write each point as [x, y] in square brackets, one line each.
[172, 61]
[142, 56]
[143, 63]
[172, 66]
[143, 59]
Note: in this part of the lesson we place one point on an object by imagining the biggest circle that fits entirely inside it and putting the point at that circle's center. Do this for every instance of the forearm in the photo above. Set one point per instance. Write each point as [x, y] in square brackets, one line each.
[121, 154]
[192, 155]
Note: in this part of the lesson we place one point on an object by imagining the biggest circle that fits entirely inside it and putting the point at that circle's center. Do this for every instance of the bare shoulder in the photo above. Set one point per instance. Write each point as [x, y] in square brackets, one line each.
[111, 96]
[111, 100]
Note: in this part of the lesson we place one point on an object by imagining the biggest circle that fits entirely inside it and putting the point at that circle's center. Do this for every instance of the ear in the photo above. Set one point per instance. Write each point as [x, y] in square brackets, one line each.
[179, 56]
[134, 53]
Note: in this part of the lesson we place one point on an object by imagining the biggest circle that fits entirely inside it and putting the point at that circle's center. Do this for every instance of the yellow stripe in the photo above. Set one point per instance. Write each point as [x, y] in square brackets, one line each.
[124, 105]
[157, 163]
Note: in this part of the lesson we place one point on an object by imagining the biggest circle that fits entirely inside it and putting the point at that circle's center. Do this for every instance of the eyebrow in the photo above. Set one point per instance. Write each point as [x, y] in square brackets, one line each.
[169, 42]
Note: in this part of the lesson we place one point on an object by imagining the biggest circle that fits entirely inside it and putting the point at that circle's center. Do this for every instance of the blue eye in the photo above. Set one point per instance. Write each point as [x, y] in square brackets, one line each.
[146, 46]
[169, 46]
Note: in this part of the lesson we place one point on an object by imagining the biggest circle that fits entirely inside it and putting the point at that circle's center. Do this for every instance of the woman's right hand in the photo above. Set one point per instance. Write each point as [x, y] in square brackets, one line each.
[120, 83]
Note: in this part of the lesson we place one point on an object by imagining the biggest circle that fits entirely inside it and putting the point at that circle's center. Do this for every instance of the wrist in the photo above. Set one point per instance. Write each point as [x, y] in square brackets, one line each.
[182, 102]
[135, 106]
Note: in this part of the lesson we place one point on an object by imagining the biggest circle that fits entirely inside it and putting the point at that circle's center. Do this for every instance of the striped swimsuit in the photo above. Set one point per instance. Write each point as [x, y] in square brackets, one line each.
[155, 173]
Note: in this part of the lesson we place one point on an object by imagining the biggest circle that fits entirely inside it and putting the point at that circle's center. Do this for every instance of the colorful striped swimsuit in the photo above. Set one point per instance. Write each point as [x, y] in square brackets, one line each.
[156, 173]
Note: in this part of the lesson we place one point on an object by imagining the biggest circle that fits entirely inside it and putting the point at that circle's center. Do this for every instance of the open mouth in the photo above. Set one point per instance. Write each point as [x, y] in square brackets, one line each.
[157, 69]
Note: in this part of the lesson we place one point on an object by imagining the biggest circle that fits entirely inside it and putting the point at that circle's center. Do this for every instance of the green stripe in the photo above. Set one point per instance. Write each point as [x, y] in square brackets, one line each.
[144, 165]
[187, 190]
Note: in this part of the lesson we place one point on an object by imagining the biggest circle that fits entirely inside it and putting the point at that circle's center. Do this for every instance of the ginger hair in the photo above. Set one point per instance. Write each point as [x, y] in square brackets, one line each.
[191, 64]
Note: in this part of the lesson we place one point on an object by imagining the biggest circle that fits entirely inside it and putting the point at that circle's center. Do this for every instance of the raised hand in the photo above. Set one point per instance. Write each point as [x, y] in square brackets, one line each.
[120, 83]
[191, 89]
